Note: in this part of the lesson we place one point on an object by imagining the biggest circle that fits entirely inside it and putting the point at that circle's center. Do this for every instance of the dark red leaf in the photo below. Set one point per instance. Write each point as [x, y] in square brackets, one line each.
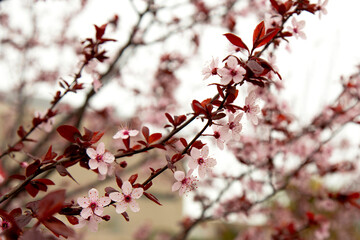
[270, 34]
[237, 41]
[154, 137]
[17, 147]
[198, 144]
[147, 186]
[44, 181]
[145, 131]
[50, 204]
[72, 220]
[275, 5]
[133, 178]
[64, 172]
[152, 198]
[169, 117]
[68, 132]
[18, 176]
[160, 146]
[100, 31]
[119, 181]
[32, 168]
[184, 142]
[33, 191]
[126, 216]
[21, 132]
[259, 32]
[57, 227]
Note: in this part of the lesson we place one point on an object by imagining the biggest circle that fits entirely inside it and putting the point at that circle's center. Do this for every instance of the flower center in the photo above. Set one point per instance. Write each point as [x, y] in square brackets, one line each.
[233, 72]
[126, 133]
[93, 205]
[231, 125]
[200, 160]
[127, 198]
[99, 157]
[216, 134]
[247, 108]
[214, 71]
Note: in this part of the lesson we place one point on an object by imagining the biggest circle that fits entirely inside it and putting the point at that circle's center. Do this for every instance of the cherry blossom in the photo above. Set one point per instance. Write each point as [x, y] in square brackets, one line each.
[99, 159]
[184, 183]
[322, 7]
[125, 133]
[231, 71]
[296, 28]
[233, 125]
[4, 225]
[250, 109]
[92, 205]
[221, 135]
[200, 158]
[211, 70]
[92, 222]
[127, 198]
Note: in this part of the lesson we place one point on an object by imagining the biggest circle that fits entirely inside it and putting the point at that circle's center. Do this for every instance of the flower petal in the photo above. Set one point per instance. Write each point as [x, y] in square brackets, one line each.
[176, 186]
[91, 152]
[102, 168]
[93, 195]
[108, 157]
[116, 196]
[99, 210]
[134, 206]
[104, 201]
[137, 192]
[86, 212]
[100, 149]
[93, 164]
[84, 202]
[121, 207]
[126, 188]
[179, 175]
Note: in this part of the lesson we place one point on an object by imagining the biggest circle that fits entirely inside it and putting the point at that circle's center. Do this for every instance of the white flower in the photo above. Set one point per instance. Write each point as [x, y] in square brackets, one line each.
[201, 159]
[184, 183]
[221, 135]
[250, 109]
[297, 27]
[99, 159]
[233, 125]
[127, 198]
[232, 71]
[211, 70]
[125, 133]
[92, 205]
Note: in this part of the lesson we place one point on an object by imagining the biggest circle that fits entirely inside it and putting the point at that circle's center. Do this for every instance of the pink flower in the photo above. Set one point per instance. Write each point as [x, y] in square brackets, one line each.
[234, 126]
[321, 7]
[211, 70]
[99, 159]
[201, 159]
[221, 135]
[184, 183]
[250, 109]
[296, 28]
[125, 133]
[93, 222]
[231, 71]
[92, 205]
[127, 198]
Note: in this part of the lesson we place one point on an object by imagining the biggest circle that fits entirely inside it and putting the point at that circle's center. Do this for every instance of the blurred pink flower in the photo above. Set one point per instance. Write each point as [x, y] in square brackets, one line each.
[296, 28]
[233, 125]
[201, 159]
[125, 133]
[127, 198]
[211, 69]
[184, 183]
[250, 109]
[232, 71]
[221, 135]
